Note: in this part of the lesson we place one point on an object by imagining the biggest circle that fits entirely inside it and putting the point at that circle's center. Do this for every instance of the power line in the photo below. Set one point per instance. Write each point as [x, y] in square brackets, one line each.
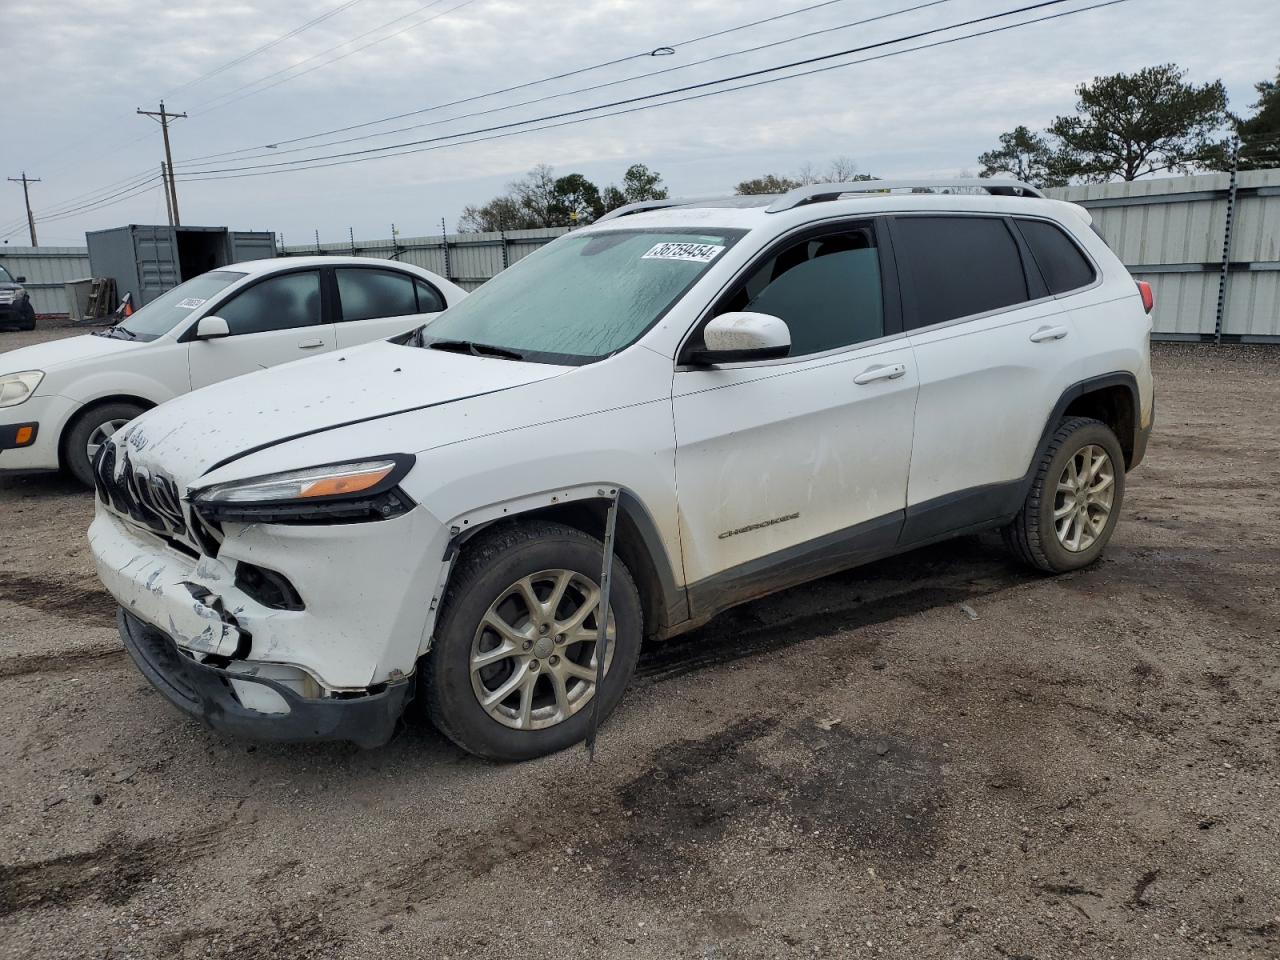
[267, 46]
[369, 151]
[97, 205]
[599, 86]
[696, 96]
[529, 83]
[45, 212]
[288, 69]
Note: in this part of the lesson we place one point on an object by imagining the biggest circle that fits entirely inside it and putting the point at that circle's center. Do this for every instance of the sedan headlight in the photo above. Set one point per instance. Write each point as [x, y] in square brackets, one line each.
[17, 387]
[335, 492]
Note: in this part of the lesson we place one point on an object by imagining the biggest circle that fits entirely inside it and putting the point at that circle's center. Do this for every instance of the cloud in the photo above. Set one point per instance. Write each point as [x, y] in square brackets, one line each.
[69, 112]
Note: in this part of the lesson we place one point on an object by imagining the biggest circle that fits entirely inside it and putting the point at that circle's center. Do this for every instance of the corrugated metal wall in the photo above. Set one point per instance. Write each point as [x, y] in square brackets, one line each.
[47, 270]
[472, 258]
[1170, 232]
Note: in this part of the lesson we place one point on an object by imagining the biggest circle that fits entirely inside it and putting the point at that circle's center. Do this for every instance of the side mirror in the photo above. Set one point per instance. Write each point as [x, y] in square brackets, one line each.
[19, 279]
[736, 337]
[212, 328]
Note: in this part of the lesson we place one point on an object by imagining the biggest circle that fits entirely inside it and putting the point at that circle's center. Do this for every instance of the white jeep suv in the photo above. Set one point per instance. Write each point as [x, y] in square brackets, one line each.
[735, 396]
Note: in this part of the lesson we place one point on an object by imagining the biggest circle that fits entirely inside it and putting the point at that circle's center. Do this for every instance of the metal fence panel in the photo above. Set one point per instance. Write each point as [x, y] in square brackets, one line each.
[1170, 232]
[47, 270]
[468, 259]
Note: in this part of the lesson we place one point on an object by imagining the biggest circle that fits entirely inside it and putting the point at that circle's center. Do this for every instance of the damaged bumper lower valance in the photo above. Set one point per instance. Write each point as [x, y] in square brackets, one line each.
[209, 693]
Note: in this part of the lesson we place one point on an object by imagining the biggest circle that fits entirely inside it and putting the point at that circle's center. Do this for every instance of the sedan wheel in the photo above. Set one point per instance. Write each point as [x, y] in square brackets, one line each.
[100, 434]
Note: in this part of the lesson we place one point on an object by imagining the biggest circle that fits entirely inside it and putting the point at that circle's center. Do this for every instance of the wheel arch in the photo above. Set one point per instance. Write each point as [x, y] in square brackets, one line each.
[87, 408]
[637, 543]
[1112, 398]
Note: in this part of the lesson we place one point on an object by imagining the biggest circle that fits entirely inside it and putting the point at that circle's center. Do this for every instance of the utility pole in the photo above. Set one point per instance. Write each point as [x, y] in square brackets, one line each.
[26, 196]
[164, 117]
[168, 201]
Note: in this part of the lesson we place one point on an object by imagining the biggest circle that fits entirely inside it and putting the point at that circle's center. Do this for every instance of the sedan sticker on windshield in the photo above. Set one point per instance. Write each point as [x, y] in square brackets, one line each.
[697, 252]
[188, 304]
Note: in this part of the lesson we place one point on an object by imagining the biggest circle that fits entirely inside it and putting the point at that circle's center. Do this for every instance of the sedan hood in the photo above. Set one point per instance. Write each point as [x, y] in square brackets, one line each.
[57, 353]
[194, 433]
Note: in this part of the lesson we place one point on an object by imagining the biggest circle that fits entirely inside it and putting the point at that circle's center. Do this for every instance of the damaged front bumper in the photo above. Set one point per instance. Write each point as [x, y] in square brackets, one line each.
[217, 696]
[343, 652]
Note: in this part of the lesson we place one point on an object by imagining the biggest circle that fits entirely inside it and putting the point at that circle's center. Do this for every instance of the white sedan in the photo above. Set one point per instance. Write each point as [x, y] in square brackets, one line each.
[60, 400]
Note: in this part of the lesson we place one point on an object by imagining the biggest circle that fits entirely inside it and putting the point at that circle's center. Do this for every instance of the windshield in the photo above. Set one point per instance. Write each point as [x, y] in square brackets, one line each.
[5, 276]
[167, 310]
[584, 296]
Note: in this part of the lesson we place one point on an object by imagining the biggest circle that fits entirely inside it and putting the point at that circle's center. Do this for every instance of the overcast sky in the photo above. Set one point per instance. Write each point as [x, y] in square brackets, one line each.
[76, 70]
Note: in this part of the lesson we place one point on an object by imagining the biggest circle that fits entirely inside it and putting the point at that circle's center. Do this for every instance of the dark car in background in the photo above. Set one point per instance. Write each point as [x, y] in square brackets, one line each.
[16, 311]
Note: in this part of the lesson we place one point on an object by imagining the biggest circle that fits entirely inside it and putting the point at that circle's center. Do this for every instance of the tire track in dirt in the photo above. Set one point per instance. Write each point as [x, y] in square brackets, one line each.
[110, 873]
[68, 599]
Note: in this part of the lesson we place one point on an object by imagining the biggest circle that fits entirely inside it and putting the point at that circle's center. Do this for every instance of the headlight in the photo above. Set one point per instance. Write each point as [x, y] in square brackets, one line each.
[8, 296]
[360, 490]
[16, 387]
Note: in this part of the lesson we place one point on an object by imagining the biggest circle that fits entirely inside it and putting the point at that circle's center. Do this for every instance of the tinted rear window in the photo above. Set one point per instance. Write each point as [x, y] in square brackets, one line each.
[1061, 263]
[957, 266]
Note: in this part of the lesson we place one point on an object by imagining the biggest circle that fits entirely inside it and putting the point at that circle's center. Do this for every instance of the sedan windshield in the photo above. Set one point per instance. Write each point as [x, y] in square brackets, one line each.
[169, 309]
[583, 297]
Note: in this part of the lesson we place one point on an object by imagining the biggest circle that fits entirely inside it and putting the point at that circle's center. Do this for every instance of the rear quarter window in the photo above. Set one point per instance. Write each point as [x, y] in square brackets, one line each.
[1061, 263]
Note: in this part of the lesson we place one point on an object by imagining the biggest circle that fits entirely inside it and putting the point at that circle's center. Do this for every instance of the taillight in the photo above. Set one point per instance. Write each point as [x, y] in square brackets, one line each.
[1148, 299]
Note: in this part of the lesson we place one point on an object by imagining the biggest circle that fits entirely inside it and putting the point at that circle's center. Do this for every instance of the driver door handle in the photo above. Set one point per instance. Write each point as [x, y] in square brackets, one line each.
[872, 374]
[1049, 333]
[310, 344]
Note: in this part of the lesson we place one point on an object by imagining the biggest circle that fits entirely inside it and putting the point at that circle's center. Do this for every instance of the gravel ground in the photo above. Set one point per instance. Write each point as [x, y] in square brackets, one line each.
[941, 755]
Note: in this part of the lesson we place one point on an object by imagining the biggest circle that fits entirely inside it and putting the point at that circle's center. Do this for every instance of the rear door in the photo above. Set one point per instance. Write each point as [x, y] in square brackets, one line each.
[280, 318]
[994, 350]
[374, 303]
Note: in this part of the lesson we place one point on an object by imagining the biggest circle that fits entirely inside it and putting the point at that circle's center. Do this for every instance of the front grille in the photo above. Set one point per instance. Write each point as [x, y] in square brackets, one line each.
[149, 498]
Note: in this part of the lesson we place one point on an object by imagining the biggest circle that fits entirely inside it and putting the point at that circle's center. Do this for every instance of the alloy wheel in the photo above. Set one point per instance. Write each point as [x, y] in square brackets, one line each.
[1084, 497]
[533, 657]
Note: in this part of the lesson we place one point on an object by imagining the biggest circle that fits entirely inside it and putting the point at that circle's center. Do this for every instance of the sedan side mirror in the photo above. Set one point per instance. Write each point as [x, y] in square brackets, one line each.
[737, 337]
[212, 328]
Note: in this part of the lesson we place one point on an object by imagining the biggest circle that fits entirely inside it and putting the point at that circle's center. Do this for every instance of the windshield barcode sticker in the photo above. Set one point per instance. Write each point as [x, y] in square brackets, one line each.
[188, 304]
[697, 252]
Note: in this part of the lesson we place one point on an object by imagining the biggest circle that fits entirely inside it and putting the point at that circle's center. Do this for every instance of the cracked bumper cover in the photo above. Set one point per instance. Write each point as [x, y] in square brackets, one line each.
[206, 692]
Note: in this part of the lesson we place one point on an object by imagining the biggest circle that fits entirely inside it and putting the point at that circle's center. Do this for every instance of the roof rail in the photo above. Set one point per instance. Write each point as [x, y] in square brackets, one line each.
[643, 205]
[818, 192]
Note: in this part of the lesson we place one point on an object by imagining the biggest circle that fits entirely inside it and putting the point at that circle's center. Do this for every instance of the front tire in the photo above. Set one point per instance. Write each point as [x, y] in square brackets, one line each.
[1074, 502]
[88, 432]
[511, 674]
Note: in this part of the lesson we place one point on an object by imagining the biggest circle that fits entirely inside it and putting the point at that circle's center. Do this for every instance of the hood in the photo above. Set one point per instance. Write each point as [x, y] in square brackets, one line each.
[6, 285]
[191, 434]
[56, 353]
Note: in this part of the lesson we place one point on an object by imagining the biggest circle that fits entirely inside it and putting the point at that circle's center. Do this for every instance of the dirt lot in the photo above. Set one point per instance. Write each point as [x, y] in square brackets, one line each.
[938, 756]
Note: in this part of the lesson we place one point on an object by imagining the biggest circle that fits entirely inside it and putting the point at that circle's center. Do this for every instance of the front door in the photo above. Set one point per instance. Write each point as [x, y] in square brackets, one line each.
[790, 468]
[276, 320]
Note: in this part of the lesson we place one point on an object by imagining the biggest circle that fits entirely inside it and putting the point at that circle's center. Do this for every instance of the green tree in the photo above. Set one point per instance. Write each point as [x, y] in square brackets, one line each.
[1260, 134]
[500, 213]
[1023, 155]
[638, 183]
[769, 183]
[575, 201]
[1134, 125]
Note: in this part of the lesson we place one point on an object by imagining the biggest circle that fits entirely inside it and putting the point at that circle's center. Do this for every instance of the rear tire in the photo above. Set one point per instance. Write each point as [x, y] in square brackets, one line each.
[487, 619]
[1074, 502]
[90, 428]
